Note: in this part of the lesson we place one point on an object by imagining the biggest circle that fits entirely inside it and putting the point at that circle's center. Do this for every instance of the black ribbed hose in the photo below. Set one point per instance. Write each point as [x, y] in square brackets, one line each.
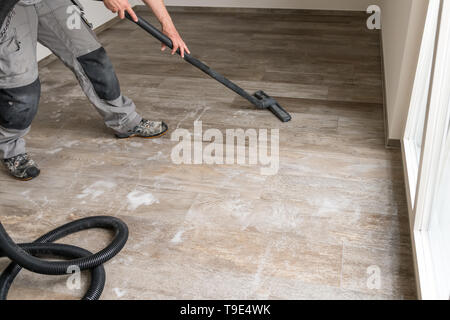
[22, 255]
[98, 275]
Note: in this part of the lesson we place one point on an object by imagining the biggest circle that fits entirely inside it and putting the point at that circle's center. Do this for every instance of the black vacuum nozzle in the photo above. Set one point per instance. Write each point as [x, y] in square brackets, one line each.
[259, 99]
[271, 104]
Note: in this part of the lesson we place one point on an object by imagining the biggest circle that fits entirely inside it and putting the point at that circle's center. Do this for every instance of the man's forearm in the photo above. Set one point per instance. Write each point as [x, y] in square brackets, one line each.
[159, 9]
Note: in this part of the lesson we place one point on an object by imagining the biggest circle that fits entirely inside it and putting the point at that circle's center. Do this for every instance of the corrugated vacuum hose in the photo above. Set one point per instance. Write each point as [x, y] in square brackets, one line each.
[24, 255]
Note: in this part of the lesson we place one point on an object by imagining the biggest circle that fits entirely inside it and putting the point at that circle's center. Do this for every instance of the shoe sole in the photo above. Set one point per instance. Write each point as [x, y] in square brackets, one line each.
[138, 136]
[26, 179]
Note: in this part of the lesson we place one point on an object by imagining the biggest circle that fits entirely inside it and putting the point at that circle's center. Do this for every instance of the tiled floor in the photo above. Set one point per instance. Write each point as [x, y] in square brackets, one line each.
[334, 214]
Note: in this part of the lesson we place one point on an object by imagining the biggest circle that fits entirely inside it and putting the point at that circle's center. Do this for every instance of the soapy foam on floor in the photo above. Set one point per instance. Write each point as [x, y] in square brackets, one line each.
[139, 198]
[71, 143]
[177, 237]
[136, 144]
[119, 293]
[158, 156]
[96, 190]
[54, 151]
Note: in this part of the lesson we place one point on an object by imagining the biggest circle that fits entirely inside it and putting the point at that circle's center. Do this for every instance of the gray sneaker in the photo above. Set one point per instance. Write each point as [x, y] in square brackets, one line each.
[146, 129]
[22, 167]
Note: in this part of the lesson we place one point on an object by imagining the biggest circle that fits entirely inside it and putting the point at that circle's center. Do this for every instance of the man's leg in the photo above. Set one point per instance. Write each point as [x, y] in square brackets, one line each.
[19, 89]
[79, 49]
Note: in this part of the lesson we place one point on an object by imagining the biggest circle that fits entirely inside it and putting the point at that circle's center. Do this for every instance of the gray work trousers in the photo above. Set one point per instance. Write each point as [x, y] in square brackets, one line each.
[53, 24]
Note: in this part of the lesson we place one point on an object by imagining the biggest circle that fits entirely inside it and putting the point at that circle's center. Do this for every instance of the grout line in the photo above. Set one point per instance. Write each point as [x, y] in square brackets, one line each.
[342, 264]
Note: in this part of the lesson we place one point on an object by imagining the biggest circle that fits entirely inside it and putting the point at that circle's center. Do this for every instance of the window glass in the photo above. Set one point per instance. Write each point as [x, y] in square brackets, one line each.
[415, 127]
[439, 232]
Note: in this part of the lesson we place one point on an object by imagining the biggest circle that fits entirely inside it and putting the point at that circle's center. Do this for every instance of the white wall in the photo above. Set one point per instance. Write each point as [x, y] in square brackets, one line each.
[284, 4]
[98, 14]
[403, 24]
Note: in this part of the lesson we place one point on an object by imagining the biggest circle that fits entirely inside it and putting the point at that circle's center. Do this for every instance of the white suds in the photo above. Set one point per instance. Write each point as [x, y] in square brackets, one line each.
[156, 156]
[54, 151]
[139, 198]
[96, 190]
[71, 143]
[177, 237]
[119, 293]
[136, 144]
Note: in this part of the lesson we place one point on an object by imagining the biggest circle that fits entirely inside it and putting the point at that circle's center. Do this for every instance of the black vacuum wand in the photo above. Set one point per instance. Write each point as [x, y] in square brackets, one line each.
[260, 99]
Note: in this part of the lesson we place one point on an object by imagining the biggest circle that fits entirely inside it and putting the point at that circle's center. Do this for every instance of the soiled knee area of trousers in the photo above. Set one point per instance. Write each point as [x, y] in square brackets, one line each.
[100, 72]
[18, 106]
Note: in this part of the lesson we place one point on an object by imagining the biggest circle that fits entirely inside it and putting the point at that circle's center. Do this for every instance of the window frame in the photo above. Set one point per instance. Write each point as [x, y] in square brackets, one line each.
[421, 195]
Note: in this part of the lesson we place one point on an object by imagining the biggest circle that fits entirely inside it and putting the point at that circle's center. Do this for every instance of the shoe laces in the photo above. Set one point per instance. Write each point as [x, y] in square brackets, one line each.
[149, 124]
[19, 160]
